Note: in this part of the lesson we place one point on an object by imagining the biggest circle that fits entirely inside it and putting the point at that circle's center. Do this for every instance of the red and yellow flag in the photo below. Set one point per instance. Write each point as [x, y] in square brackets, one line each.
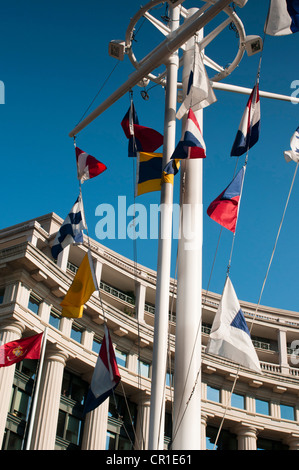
[16, 351]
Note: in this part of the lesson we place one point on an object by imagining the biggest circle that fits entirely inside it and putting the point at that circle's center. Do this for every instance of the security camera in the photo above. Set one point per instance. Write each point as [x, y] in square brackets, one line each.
[117, 49]
[253, 44]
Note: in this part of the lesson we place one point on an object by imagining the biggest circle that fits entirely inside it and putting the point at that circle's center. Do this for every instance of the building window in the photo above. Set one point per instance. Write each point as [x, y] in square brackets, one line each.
[287, 412]
[70, 419]
[262, 407]
[19, 407]
[213, 394]
[74, 387]
[69, 429]
[169, 379]
[121, 423]
[267, 444]
[143, 368]
[225, 440]
[238, 401]
[76, 333]
[96, 345]
[121, 358]
[54, 319]
[33, 304]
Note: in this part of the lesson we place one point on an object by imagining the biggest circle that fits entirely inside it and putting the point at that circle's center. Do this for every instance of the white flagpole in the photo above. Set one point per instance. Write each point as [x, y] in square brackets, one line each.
[187, 390]
[159, 362]
[37, 385]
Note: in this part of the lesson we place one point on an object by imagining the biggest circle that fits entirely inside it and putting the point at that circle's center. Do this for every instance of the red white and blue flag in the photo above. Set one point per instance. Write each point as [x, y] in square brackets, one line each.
[283, 18]
[225, 208]
[249, 128]
[106, 375]
[141, 138]
[88, 166]
[192, 144]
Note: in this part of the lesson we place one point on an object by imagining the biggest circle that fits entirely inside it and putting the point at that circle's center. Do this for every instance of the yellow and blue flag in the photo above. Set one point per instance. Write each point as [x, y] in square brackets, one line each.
[83, 285]
[149, 172]
[170, 171]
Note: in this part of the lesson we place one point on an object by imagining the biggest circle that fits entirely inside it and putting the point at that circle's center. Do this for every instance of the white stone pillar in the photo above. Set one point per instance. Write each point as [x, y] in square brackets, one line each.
[282, 348]
[9, 332]
[142, 424]
[95, 428]
[204, 419]
[140, 301]
[45, 426]
[98, 268]
[246, 436]
[63, 258]
[44, 311]
[293, 441]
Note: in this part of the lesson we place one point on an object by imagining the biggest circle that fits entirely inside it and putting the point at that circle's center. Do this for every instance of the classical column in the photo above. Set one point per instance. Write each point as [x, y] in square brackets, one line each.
[143, 416]
[45, 426]
[9, 332]
[140, 301]
[293, 441]
[204, 419]
[282, 348]
[98, 268]
[246, 437]
[95, 428]
[63, 258]
[44, 311]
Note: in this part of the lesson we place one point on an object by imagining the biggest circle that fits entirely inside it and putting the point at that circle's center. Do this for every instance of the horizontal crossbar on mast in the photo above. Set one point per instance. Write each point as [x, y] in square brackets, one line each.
[196, 22]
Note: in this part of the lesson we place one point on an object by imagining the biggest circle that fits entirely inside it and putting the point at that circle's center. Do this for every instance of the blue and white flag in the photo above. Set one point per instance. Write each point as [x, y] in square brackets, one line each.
[71, 231]
[106, 375]
[283, 18]
[192, 144]
[230, 336]
[249, 128]
[293, 154]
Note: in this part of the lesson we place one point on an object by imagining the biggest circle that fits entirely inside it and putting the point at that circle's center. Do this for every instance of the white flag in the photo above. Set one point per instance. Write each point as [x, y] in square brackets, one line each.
[293, 154]
[230, 336]
[200, 92]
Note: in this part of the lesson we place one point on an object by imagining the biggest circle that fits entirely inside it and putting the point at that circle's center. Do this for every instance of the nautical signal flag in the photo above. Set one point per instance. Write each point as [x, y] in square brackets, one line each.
[141, 138]
[170, 170]
[106, 375]
[199, 91]
[83, 285]
[230, 336]
[71, 231]
[16, 351]
[192, 144]
[88, 166]
[225, 208]
[149, 172]
[249, 128]
[283, 18]
[293, 154]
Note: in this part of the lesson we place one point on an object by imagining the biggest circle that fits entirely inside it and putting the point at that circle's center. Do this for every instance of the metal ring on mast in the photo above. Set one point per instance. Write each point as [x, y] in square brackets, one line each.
[222, 71]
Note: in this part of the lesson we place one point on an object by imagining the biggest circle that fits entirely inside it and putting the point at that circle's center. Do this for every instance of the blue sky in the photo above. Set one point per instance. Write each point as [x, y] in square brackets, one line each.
[54, 60]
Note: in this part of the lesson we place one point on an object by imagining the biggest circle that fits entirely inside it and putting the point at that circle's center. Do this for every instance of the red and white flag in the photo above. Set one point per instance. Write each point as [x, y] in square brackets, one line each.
[106, 375]
[88, 166]
[16, 351]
